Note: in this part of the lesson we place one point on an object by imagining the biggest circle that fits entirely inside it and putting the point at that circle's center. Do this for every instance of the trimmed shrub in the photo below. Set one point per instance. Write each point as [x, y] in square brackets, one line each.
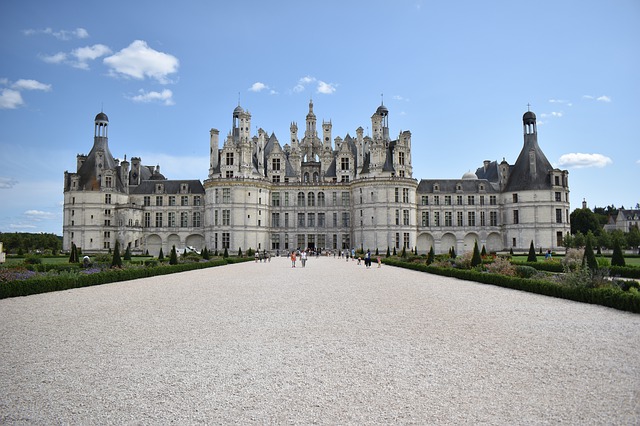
[617, 258]
[589, 258]
[127, 253]
[476, 259]
[532, 253]
[173, 257]
[161, 255]
[431, 257]
[117, 261]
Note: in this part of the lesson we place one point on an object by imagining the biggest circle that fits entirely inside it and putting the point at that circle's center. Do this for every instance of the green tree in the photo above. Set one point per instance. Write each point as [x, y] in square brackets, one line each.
[161, 255]
[173, 257]
[579, 240]
[453, 253]
[483, 253]
[226, 253]
[394, 252]
[127, 253]
[239, 251]
[431, 257]
[116, 261]
[604, 240]
[205, 253]
[377, 252]
[617, 258]
[476, 259]
[532, 253]
[388, 252]
[584, 220]
[589, 258]
[404, 252]
[633, 238]
[73, 256]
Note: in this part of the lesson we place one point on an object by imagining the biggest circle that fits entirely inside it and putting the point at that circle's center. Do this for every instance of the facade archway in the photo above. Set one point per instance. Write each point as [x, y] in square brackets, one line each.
[173, 240]
[470, 240]
[154, 244]
[494, 242]
[425, 242]
[195, 241]
[447, 241]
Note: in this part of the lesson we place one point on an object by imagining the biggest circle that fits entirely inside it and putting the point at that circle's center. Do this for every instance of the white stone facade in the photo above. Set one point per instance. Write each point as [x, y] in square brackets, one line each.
[318, 192]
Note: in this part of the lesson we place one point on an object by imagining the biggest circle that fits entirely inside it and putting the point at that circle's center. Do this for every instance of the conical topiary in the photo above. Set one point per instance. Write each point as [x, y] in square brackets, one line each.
[617, 258]
[431, 257]
[532, 253]
[116, 262]
[173, 257]
[476, 259]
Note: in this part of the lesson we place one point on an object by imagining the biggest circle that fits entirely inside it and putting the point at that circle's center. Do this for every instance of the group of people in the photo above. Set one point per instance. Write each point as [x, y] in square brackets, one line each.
[303, 258]
[264, 255]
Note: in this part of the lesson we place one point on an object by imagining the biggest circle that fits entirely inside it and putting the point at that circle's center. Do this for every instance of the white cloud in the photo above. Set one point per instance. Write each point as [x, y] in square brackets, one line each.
[165, 97]
[556, 114]
[326, 88]
[560, 101]
[399, 98]
[60, 35]
[88, 53]
[39, 215]
[7, 182]
[302, 83]
[10, 99]
[56, 58]
[603, 98]
[23, 84]
[258, 87]
[21, 226]
[139, 61]
[580, 160]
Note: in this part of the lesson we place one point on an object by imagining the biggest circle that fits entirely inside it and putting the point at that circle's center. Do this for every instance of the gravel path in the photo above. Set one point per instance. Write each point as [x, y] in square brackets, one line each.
[332, 343]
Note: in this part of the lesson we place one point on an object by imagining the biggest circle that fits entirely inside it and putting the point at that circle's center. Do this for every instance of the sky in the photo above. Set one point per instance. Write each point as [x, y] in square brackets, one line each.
[458, 74]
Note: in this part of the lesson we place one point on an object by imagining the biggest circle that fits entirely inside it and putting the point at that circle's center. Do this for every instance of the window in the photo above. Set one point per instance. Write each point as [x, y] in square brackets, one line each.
[397, 217]
[557, 180]
[471, 218]
[196, 219]
[448, 219]
[559, 239]
[321, 202]
[228, 174]
[516, 217]
[107, 212]
[171, 219]
[425, 218]
[493, 218]
[275, 164]
[447, 200]
[275, 179]
[321, 220]
[335, 220]
[159, 200]
[226, 195]
[216, 198]
[300, 238]
[172, 199]
[106, 245]
[107, 234]
[459, 218]
[436, 200]
[301, 199]
[225, 240]
[184, 219]
[344, 163]
[107, 198]
[471, 200]
[158, 220]
[147, 219]
[425, 200]
[397, 194]
[459, 200]
[275, 199]
[406, 240]
[405, 195]
[558, 215]
[515, 198]
[558, 196]
[397, 240]
[492, 200]
[345, 199]
[229, 158]
[311, 220]
[311, 199]
[301, 220]
[226, 217]
[482, 219]
[344, 178]
[107, 222]
[184, 200]
[215, 217]
[405, 217]
[401, 158]
[345, 219]
[275, 241]
[197, 200]
[275, 219]
[482, 200]
[286, 199]
[436, 218]
[334, 198]
[108, 182]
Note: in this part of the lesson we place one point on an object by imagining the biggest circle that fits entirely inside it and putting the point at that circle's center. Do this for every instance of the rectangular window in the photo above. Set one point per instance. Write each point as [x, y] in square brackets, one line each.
[311, 220]
[275, 164]
[184, 200]
[184, 219]
[559, 239]
[335, 220]
[557, 180]
[483, 221]
[447, 200]
[107, 198]
[226, 195]
[516, 217]
[425, 218]
[558, 196]
[345, 219]
[196, 219]
[321, 220]
[448, 219]
[515, 198]
[436, 218]
[334, 197]
[344, 163]
[172, 199]
[471, 219]
[558, 215]
[397, 240]
[405, 195]
[436, 200]
[275, 199]
[300, 239]
[147, 219]
[459, 200]
[107, 181]
[345, 199]
[405, 217]
[215, 217]
[275, 219]
[459, 218]
[482, 200]
[226, 217]
[425, 200]
[397, 217]
[275, 241]
[147, 200]
[493, 218]
[197, 200]
[225, 240]
[229, 159]
[286, 199]
[158, 219]
[286, 220]
[275, 179]
[401, 158]
[158, 200]
[397, 194]
[493, 200]
[171, 219]
[407, 243]
[471, 200]
[301, 220]
[107, 234]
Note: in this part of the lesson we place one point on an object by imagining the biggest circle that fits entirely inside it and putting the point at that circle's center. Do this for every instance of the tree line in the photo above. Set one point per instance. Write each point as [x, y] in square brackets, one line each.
[25, 242]
[588, 226]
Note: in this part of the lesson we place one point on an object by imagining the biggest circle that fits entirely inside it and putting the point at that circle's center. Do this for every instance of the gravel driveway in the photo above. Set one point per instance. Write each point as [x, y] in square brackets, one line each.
[332, 343]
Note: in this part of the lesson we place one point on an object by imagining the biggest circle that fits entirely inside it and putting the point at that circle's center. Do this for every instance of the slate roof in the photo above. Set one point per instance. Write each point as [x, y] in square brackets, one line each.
[170, 187]
[520, 176]
[449, 186]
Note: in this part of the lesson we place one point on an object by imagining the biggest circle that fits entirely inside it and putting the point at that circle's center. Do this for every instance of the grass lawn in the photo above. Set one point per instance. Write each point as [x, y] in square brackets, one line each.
[629, 261]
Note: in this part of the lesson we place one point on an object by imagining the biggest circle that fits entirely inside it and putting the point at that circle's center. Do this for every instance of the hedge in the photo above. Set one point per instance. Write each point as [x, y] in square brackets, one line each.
[45, 284]
[609, 297]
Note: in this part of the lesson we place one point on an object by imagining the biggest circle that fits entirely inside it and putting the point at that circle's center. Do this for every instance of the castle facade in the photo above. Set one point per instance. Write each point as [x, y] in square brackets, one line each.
[315, 191]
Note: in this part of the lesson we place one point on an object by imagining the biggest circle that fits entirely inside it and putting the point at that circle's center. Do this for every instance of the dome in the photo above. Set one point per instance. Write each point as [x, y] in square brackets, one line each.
[469, 176]
[529, 117]
[102, 117]
[382, 110]
[238, 110]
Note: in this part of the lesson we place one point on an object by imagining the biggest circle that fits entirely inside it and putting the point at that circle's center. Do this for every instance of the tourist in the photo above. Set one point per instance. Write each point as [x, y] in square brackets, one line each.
[379, 261]
[303, 258]
[367, 259]
[293, 259]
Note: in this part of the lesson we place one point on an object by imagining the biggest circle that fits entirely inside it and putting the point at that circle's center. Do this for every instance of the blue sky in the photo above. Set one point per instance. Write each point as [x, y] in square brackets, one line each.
[457, 74]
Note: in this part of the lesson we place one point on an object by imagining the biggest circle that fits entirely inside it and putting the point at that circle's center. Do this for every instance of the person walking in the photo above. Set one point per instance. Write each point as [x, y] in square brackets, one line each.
[303, 258]
[367, 259]
[293, 259]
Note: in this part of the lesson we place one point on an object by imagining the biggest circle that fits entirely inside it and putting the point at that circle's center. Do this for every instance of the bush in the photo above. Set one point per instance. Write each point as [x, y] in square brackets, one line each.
[532, 253]
[617, 258]
[173, 258]
[524, 271]
[476, 259]
[573, 259]
[32, 260]
[501, 265]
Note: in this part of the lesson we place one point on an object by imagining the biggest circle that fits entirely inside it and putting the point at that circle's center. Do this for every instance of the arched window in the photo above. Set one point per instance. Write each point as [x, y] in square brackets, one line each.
[301, 198]
[311, 199]
[315, 176]
[320, 199]
[306, 177]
